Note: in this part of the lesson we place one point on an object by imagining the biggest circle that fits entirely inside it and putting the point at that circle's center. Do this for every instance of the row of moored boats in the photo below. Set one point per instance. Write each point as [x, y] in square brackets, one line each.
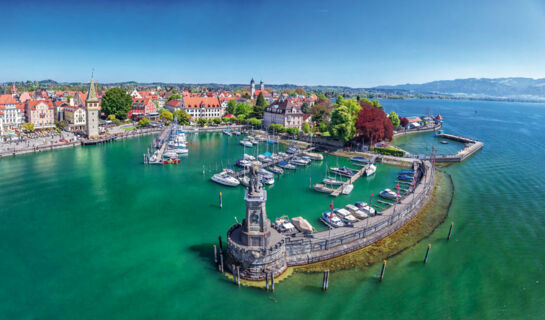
[348, 215]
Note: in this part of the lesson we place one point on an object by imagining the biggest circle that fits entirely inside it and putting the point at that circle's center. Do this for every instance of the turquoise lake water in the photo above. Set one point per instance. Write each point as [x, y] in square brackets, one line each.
[91, 233]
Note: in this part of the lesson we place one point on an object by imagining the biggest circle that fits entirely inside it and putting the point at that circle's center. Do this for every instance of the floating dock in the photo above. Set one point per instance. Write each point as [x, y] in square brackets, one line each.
[352, 179]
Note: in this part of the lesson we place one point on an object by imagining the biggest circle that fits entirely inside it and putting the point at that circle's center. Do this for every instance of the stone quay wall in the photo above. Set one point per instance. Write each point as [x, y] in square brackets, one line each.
[329, 244]
[255, 261]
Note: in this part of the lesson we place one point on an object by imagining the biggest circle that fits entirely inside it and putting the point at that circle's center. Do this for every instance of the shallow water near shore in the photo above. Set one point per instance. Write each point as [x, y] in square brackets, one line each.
[91, 233]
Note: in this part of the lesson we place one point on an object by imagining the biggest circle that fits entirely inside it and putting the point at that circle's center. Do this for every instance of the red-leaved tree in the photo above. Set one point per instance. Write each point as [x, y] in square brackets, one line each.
[373, 125]
[404, 121]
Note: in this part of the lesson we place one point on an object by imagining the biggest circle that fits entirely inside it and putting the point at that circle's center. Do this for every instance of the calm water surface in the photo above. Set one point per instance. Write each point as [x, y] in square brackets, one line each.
[91, 233]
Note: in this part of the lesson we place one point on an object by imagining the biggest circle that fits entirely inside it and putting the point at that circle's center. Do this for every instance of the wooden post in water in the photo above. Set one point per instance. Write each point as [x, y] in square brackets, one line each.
[215, 255]
[221, 201]
[427, 253]
[221, 262]
[267, 281]
[272, 281]
[238, 276]
[382, 271]
[450, 230]
[325, 280]
[234, 273]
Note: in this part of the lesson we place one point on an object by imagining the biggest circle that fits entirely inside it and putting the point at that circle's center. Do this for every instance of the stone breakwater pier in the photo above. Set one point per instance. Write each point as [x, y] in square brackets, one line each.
[257, 251]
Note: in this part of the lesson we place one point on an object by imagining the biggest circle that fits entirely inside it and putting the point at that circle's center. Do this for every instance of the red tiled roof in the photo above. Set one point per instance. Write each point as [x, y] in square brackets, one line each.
[7, 99]
[229, 115]
[174, 103]
[198, 102]
[33, 103]
[306, 116]
[265, 93]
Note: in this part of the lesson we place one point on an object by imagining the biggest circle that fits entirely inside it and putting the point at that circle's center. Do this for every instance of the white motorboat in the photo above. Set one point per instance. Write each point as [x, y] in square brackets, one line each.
[266, 173]
[283, 224]
[249, 157]
[332, 181]
[226, 179]
[298, 161]
[276, 169]
[246, 143]
[344, 171]
[267, 180]
[181, 150]
[292, 150]
[356, 212]
[170, 154]
[363, 206]
[264, 158]
[348, 188]
[323, 188]
[243, 163]
[331, 219]
[370, 170]
[388, 194]
[283, 155]
[286, 165]
[345, 216]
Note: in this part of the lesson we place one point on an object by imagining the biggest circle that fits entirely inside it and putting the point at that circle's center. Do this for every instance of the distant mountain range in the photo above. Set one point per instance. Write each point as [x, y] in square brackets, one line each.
[508, 89]
[481, 88]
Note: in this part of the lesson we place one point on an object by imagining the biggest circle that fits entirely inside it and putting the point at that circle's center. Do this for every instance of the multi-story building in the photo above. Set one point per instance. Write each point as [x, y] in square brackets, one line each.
[283, 112]
[41, 113]
[142, 107]
[203, 107]
[12, 114]
[198, 107]
[76, 118]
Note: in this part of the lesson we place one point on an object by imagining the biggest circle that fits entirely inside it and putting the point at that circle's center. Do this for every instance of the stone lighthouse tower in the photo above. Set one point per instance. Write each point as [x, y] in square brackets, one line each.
[254, 245]
[92, 111]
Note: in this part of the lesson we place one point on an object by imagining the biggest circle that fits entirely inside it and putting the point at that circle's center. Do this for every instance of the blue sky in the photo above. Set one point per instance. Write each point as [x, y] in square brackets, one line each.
[352, 43]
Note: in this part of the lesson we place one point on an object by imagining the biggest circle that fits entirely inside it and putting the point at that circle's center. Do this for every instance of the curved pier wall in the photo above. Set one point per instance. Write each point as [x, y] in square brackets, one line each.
[329, 244]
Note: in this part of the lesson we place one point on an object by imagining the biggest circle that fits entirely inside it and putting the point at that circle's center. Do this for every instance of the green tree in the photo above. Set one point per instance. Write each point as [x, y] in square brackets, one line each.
[256, 123]
[166, 116]
[306, 127]
[68, 97]
[243, 109]
[342, 124]
[395, 119]
[352, 105]
[216, 121]
[300, 91]
[111, 117]
[28, 127]
[261, 100]
[174, 96]
[182, 117]
[202, 122]
[144, 122]
[376, 104]
[275, 127]
[231, 106]
[116, 101]
[305, 108]
[292, 131]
